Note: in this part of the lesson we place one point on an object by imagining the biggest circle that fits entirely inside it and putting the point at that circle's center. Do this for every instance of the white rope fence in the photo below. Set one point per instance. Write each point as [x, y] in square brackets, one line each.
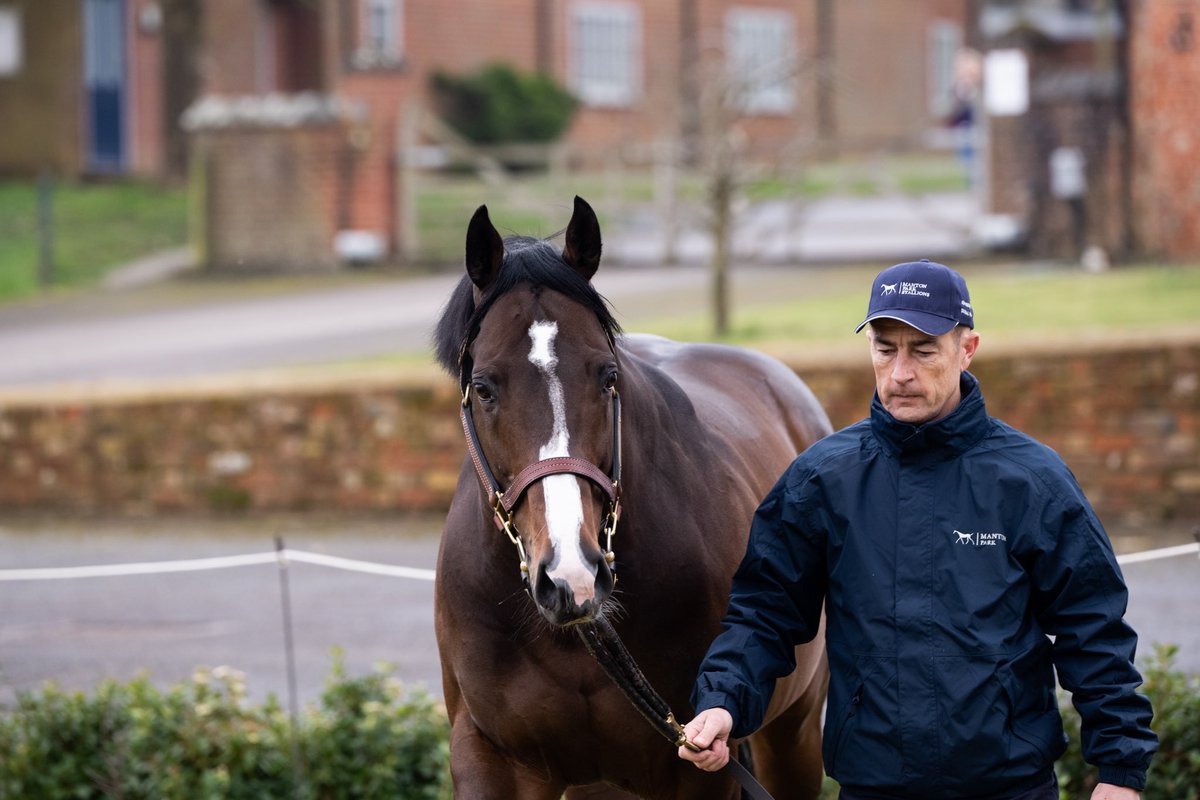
[353, 565]
[223, 562]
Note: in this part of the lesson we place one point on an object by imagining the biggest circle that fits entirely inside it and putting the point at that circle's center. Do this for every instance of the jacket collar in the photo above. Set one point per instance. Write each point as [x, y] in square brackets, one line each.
[947, 437]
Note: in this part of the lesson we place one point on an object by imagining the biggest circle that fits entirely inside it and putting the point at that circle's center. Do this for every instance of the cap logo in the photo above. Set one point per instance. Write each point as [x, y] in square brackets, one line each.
[919, 289]
[887, 288]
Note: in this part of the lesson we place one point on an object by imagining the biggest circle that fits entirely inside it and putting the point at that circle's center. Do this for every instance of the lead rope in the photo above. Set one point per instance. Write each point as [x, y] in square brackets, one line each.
[602, 641]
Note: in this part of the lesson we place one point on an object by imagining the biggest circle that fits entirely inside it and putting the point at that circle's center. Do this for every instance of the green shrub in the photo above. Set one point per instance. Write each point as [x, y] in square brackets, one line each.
[499, 104]
[367, 739]
[1175, 771]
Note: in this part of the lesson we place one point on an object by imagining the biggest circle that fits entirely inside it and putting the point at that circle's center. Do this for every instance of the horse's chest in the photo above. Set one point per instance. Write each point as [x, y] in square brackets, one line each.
[552, 715]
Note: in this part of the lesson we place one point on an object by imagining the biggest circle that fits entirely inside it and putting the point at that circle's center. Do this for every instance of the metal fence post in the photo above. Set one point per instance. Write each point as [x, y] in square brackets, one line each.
[290, 650]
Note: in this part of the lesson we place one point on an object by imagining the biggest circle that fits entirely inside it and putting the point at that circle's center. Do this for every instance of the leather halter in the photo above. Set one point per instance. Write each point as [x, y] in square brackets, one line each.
[504, 501]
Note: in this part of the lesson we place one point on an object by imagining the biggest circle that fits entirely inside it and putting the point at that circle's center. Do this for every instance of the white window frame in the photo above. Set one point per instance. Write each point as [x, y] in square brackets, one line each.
[945, 40]
[12, 52]
[606, 53]
[380, 34]
[760, 59]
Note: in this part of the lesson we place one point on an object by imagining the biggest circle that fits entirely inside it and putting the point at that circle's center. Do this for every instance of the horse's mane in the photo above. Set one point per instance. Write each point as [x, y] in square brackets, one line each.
[527, 260]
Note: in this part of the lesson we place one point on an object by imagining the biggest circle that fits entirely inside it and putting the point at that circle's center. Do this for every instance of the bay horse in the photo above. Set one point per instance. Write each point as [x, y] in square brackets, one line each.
[701, 432]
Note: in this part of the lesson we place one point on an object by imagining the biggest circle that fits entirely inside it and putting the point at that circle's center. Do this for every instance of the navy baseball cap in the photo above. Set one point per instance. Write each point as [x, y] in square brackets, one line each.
[929, 296]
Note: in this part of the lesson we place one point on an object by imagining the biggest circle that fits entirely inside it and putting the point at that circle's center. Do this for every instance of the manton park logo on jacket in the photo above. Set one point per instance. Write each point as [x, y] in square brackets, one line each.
[979, 539]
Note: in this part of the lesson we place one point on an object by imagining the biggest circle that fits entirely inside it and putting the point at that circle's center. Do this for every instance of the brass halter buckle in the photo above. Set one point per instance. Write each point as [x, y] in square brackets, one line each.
[509, 526]
[681, 739]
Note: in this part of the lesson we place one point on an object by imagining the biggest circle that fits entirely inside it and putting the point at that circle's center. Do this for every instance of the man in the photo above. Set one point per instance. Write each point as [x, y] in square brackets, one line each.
[959, 566]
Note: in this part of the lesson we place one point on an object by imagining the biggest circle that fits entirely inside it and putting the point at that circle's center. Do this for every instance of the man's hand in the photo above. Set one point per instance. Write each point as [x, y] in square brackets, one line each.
[1106, 791]
[710, 731]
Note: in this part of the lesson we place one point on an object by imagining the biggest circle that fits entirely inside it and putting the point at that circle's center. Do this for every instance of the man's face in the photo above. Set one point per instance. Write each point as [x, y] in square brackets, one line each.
[916, 375]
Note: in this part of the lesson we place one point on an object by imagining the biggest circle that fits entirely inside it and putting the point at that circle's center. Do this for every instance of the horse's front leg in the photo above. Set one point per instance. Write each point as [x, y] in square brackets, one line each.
[481, 772]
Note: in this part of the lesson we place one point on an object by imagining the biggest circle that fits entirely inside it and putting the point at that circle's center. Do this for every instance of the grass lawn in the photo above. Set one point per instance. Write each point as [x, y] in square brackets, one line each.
[96, 227]
[1014, 304]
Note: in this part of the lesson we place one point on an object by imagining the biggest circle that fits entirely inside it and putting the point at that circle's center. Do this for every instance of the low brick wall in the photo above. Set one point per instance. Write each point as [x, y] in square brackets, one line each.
[1126, 419]
[345, 445]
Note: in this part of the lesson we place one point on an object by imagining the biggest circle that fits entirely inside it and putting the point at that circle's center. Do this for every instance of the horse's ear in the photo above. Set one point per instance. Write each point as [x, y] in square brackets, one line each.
[582, 250]
[485, 250]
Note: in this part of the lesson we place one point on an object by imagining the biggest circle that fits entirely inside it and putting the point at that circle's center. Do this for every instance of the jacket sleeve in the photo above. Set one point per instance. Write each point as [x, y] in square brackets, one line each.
[1081, 600]
[774, 604]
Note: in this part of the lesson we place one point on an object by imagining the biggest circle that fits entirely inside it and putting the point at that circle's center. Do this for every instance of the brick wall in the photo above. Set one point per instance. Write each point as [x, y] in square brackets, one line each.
[360, 446]
[881, 54]
[1164, 84]
[1126, 420]
[274, 195]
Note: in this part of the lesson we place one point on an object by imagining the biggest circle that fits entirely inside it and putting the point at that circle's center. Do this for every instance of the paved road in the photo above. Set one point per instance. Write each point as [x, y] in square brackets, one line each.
[80, 631]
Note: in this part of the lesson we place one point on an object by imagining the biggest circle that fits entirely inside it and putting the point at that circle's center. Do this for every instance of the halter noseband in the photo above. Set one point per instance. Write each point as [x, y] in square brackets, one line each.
[504, 501]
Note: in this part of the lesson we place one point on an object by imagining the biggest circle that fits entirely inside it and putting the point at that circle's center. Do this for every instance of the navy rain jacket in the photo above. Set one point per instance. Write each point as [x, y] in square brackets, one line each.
[945, 556]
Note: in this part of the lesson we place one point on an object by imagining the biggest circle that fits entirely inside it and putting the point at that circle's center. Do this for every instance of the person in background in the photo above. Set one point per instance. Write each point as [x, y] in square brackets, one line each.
[959, 566]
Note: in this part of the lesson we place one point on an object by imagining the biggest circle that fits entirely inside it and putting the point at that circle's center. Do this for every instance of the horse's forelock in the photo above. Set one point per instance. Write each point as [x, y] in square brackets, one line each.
[527, 261]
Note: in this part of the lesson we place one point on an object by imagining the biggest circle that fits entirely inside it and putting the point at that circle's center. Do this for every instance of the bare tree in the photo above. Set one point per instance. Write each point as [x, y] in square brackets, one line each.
[728, 93]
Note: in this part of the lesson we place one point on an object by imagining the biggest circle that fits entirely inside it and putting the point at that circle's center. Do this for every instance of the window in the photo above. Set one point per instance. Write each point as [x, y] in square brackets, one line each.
[606, 53]
[381, 31]
[11, 55]
[760, 45]
[945, 41]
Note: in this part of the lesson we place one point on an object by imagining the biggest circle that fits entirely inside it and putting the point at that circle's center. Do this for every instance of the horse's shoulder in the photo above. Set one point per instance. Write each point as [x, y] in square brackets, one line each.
[731, 388]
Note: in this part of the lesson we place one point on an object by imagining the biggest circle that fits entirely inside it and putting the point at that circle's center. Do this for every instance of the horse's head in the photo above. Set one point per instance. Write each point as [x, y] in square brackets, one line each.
[532, 342]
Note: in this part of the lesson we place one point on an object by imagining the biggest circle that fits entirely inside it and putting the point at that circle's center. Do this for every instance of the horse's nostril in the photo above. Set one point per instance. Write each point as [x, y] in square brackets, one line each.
[552, 594]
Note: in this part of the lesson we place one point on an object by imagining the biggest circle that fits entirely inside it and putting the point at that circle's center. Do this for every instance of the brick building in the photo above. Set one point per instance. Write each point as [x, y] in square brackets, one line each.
[1164, 86]
[1106, 152]
[91, 86]
[640, 68]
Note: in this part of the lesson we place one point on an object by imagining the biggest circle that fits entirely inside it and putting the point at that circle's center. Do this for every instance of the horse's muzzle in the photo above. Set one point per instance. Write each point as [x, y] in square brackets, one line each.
[562, 605]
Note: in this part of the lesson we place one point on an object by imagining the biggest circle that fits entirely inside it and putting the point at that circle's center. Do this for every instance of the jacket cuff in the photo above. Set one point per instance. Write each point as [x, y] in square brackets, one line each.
[707, 700]
[1131, 777]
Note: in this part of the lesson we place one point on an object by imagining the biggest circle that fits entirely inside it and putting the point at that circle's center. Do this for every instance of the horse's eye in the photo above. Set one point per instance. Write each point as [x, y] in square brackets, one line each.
[610, 380]
[483, 391]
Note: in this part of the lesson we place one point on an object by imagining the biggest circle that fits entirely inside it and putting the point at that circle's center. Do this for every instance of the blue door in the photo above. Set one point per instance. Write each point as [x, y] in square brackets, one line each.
[104, 83]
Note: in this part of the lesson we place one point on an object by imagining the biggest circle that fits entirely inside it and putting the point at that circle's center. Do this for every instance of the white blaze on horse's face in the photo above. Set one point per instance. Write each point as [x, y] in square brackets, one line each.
[564, 501]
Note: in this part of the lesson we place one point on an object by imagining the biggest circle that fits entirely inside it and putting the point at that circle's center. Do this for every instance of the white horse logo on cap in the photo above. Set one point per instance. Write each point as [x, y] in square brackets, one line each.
[887, 288]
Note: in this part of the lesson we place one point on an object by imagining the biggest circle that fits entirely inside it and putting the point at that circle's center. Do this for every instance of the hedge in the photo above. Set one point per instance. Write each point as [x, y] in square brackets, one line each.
[368, 739]
[1175, 771]
[498, 104]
